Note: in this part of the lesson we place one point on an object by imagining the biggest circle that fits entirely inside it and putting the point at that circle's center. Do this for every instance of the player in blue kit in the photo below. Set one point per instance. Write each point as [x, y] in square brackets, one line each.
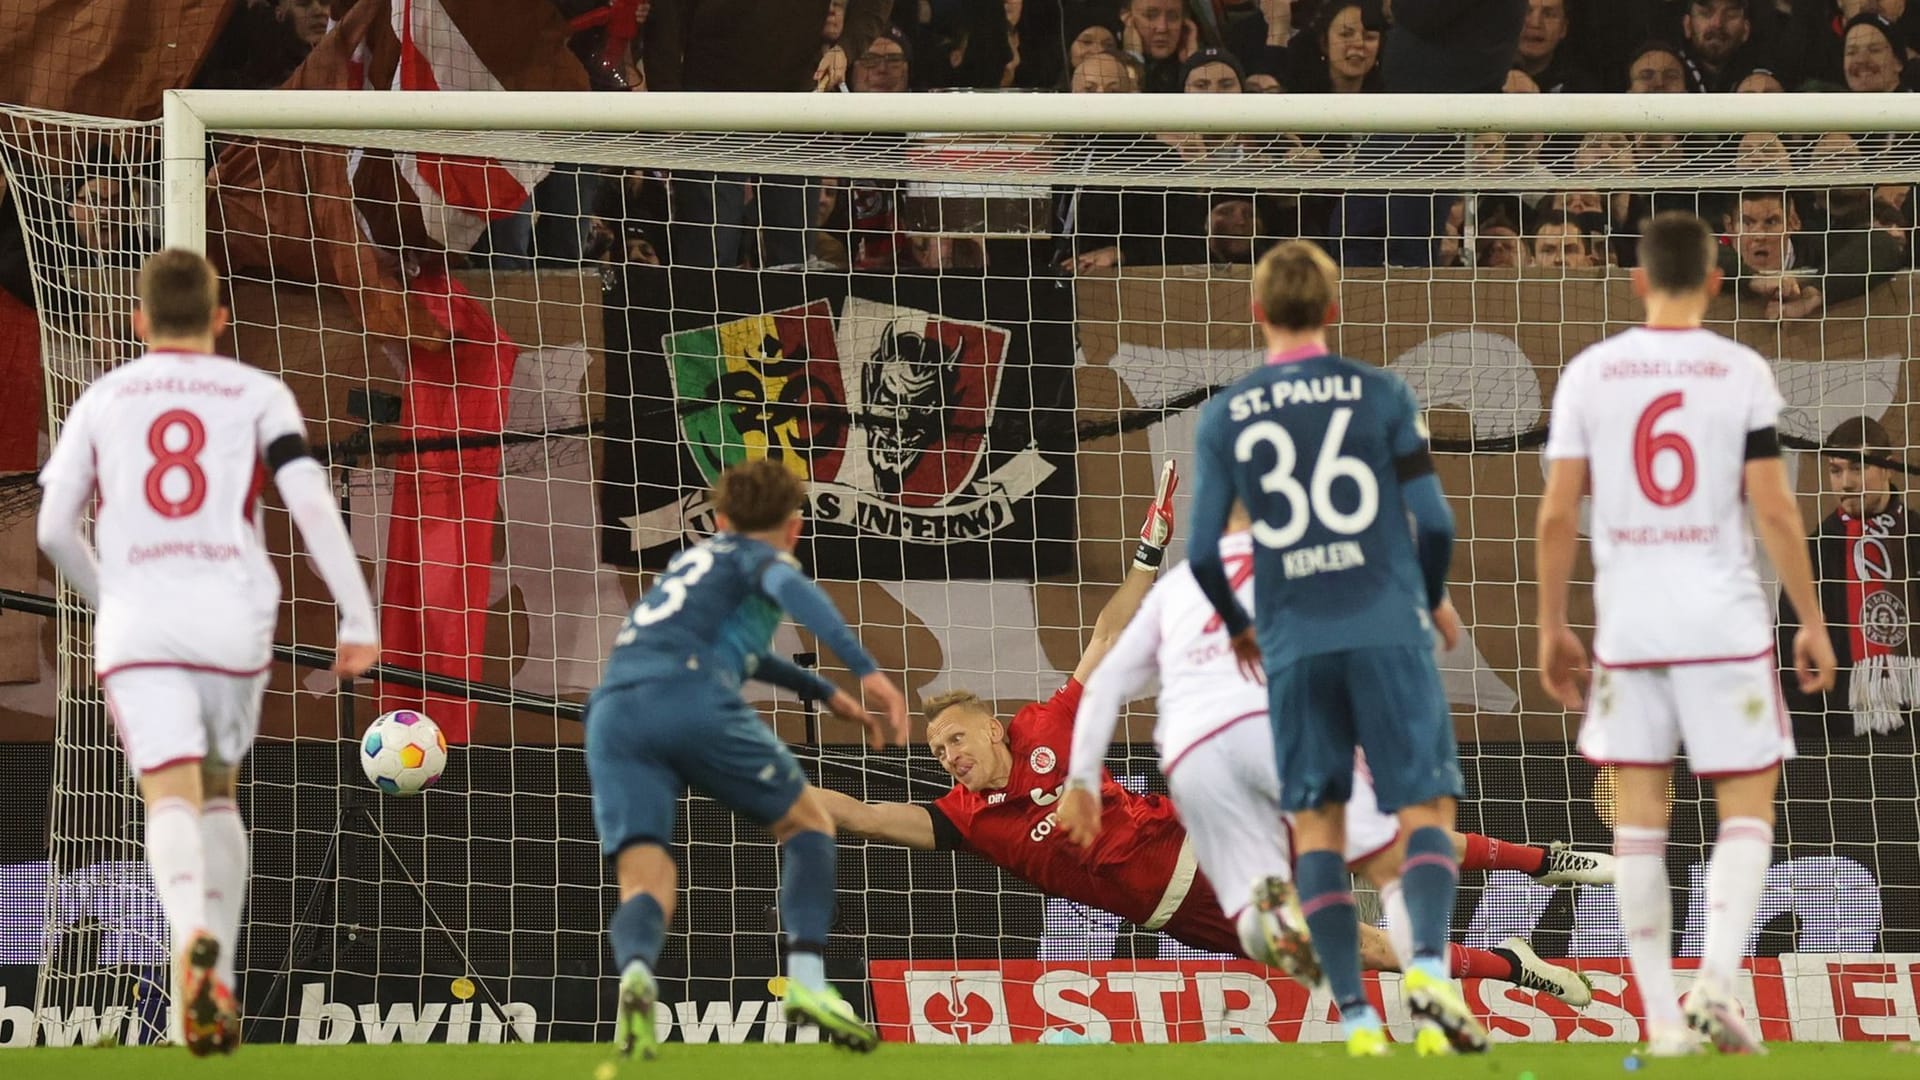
[1330, 458]
[669, 713]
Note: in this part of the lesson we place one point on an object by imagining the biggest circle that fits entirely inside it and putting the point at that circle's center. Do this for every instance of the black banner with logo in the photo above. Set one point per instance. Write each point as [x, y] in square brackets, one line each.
[933, 416]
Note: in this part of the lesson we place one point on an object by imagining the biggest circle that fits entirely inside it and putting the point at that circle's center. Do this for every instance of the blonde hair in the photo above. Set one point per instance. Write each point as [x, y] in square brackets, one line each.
[965, 699]
[1296, 284]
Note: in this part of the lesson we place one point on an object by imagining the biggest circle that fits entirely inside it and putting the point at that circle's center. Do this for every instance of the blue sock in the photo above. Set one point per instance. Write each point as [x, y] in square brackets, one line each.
[1326, 896]
[806, 903]
[1428, 879]
[638, 929]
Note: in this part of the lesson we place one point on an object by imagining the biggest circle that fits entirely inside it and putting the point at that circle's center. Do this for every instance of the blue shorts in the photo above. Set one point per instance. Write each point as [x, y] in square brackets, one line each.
[649, 741]
[1387, 700]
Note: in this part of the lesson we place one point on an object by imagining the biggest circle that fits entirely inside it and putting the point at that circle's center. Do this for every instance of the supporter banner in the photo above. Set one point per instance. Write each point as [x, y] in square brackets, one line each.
[932, 416]
[1798, 997]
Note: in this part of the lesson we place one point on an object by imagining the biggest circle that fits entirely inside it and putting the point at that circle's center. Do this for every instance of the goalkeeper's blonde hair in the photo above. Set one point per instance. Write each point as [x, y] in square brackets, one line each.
[964, 699]
[1296, 285]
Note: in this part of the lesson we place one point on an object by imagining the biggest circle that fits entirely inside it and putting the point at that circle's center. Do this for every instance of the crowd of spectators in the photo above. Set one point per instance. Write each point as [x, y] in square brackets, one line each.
[1790, 251]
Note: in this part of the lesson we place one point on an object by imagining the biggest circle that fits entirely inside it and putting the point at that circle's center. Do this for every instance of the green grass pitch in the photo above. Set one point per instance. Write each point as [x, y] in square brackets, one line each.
[567, 1061]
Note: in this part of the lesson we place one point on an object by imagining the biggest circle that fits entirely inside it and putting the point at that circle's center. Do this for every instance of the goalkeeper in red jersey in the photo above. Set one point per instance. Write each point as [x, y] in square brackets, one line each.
[1009, 776]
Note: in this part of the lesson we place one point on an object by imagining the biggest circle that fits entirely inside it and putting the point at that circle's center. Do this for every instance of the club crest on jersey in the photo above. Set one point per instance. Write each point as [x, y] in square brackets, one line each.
[884, 409]
[1042, 760]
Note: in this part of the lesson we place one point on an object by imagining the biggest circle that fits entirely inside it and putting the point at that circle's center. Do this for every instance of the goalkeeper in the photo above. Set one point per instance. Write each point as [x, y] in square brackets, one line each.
[1009, 777]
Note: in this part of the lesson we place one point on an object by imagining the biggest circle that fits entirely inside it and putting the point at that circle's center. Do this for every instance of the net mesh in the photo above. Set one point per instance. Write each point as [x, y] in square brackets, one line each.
[978, 349]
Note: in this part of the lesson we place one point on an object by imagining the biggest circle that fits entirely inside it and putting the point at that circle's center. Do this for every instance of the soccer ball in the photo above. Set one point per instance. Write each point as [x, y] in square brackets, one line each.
[404, 752]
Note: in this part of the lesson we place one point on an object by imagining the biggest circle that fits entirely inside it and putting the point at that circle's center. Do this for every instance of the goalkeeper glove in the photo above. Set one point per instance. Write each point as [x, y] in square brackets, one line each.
[1158, 529]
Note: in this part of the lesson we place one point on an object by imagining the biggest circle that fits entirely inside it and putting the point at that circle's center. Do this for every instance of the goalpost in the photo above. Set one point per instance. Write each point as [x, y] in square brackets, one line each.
[981, 431]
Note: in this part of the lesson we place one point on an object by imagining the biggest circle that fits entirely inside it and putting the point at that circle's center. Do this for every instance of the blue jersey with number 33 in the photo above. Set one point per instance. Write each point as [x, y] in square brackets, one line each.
[713, 612]
[1321, 450]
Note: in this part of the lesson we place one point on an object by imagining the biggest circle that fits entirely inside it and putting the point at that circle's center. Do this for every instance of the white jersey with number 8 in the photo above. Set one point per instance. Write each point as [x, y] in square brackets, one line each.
[1663, 419]
[174, 443]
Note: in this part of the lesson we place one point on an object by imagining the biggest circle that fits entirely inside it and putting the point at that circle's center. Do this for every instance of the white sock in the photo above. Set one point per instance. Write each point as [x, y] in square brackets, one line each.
[179, 861]
[1646, 914]
[225, 838]
[1399, 924]
[1736, 876]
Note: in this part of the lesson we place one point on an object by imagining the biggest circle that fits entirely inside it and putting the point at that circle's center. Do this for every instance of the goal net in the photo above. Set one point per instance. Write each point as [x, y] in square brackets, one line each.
[528, 331]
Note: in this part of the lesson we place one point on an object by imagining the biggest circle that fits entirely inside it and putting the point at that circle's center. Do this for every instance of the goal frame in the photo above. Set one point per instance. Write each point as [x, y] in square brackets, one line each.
[188, 117]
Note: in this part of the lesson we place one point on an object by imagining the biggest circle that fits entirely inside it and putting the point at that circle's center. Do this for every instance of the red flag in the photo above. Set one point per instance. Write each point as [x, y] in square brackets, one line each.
[433, 612]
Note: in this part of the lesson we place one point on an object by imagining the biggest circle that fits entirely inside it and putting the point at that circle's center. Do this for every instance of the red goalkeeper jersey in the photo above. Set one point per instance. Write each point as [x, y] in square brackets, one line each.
[1138, 868]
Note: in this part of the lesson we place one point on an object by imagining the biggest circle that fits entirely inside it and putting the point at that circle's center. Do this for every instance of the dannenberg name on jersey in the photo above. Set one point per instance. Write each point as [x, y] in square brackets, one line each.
[1318, 390]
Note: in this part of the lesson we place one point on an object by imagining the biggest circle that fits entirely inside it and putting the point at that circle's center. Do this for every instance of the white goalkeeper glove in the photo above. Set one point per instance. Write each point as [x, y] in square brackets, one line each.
[1158, 530]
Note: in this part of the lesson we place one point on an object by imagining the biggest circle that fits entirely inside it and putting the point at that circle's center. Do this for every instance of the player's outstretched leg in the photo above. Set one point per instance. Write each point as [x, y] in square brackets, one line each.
[1555, 864]
[806, 907]
[638, 931]
[1429, 876]
[1513, 960]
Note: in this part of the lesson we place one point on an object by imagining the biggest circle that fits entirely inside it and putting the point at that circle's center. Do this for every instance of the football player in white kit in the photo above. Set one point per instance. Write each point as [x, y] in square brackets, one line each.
[1672, 429]
[177, 445]
[1216, 751]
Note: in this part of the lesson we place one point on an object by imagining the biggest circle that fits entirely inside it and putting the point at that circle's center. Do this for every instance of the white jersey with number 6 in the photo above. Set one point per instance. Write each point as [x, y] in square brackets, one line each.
[173, 444]
[1663, 419]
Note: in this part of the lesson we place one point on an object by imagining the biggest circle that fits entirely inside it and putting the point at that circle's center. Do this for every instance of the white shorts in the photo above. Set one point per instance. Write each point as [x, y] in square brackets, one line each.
[172, 715]
[1226, 789]
[1727, 713]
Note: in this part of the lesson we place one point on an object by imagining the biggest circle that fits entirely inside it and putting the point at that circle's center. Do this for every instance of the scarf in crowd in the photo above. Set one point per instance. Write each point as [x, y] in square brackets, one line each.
[1886, 681]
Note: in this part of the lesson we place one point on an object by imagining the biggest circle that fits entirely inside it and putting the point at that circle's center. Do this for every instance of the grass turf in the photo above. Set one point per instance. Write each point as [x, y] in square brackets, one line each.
[573, 1061]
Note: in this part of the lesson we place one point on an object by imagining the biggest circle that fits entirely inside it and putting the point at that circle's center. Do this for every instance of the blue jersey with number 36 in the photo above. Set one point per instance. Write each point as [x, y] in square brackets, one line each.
[1318, 449]
[713, 612]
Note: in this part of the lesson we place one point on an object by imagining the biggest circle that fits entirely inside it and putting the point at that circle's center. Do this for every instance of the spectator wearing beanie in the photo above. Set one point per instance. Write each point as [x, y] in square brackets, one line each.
[1212, 71]
[1091, 34]
[1874, 56]
[1452, 46]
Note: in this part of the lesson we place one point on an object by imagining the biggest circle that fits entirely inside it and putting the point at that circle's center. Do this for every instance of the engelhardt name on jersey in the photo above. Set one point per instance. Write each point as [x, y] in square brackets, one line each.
[1666, 421]
[174, 443]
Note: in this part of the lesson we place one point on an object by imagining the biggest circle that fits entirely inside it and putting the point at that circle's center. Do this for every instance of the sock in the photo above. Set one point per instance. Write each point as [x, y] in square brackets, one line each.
[1326, 897]
[1486, 853]
[1484, 963]
[1393, 900]
[223, 836]
[1646, 914]
[179, 862]
[1429, 876]
[638, 930]
[806, 967]
[1736, 876]
[806, 904]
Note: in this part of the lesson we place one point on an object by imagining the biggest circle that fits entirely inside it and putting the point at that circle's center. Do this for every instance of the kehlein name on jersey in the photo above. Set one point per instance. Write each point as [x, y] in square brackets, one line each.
[1636, 367]
[1320, 558]
[1677, 534]
[1255, 400]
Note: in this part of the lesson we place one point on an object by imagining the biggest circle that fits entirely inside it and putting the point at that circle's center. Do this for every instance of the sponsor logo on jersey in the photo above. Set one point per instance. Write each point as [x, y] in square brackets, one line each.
[885, 411]
[1042, 760]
